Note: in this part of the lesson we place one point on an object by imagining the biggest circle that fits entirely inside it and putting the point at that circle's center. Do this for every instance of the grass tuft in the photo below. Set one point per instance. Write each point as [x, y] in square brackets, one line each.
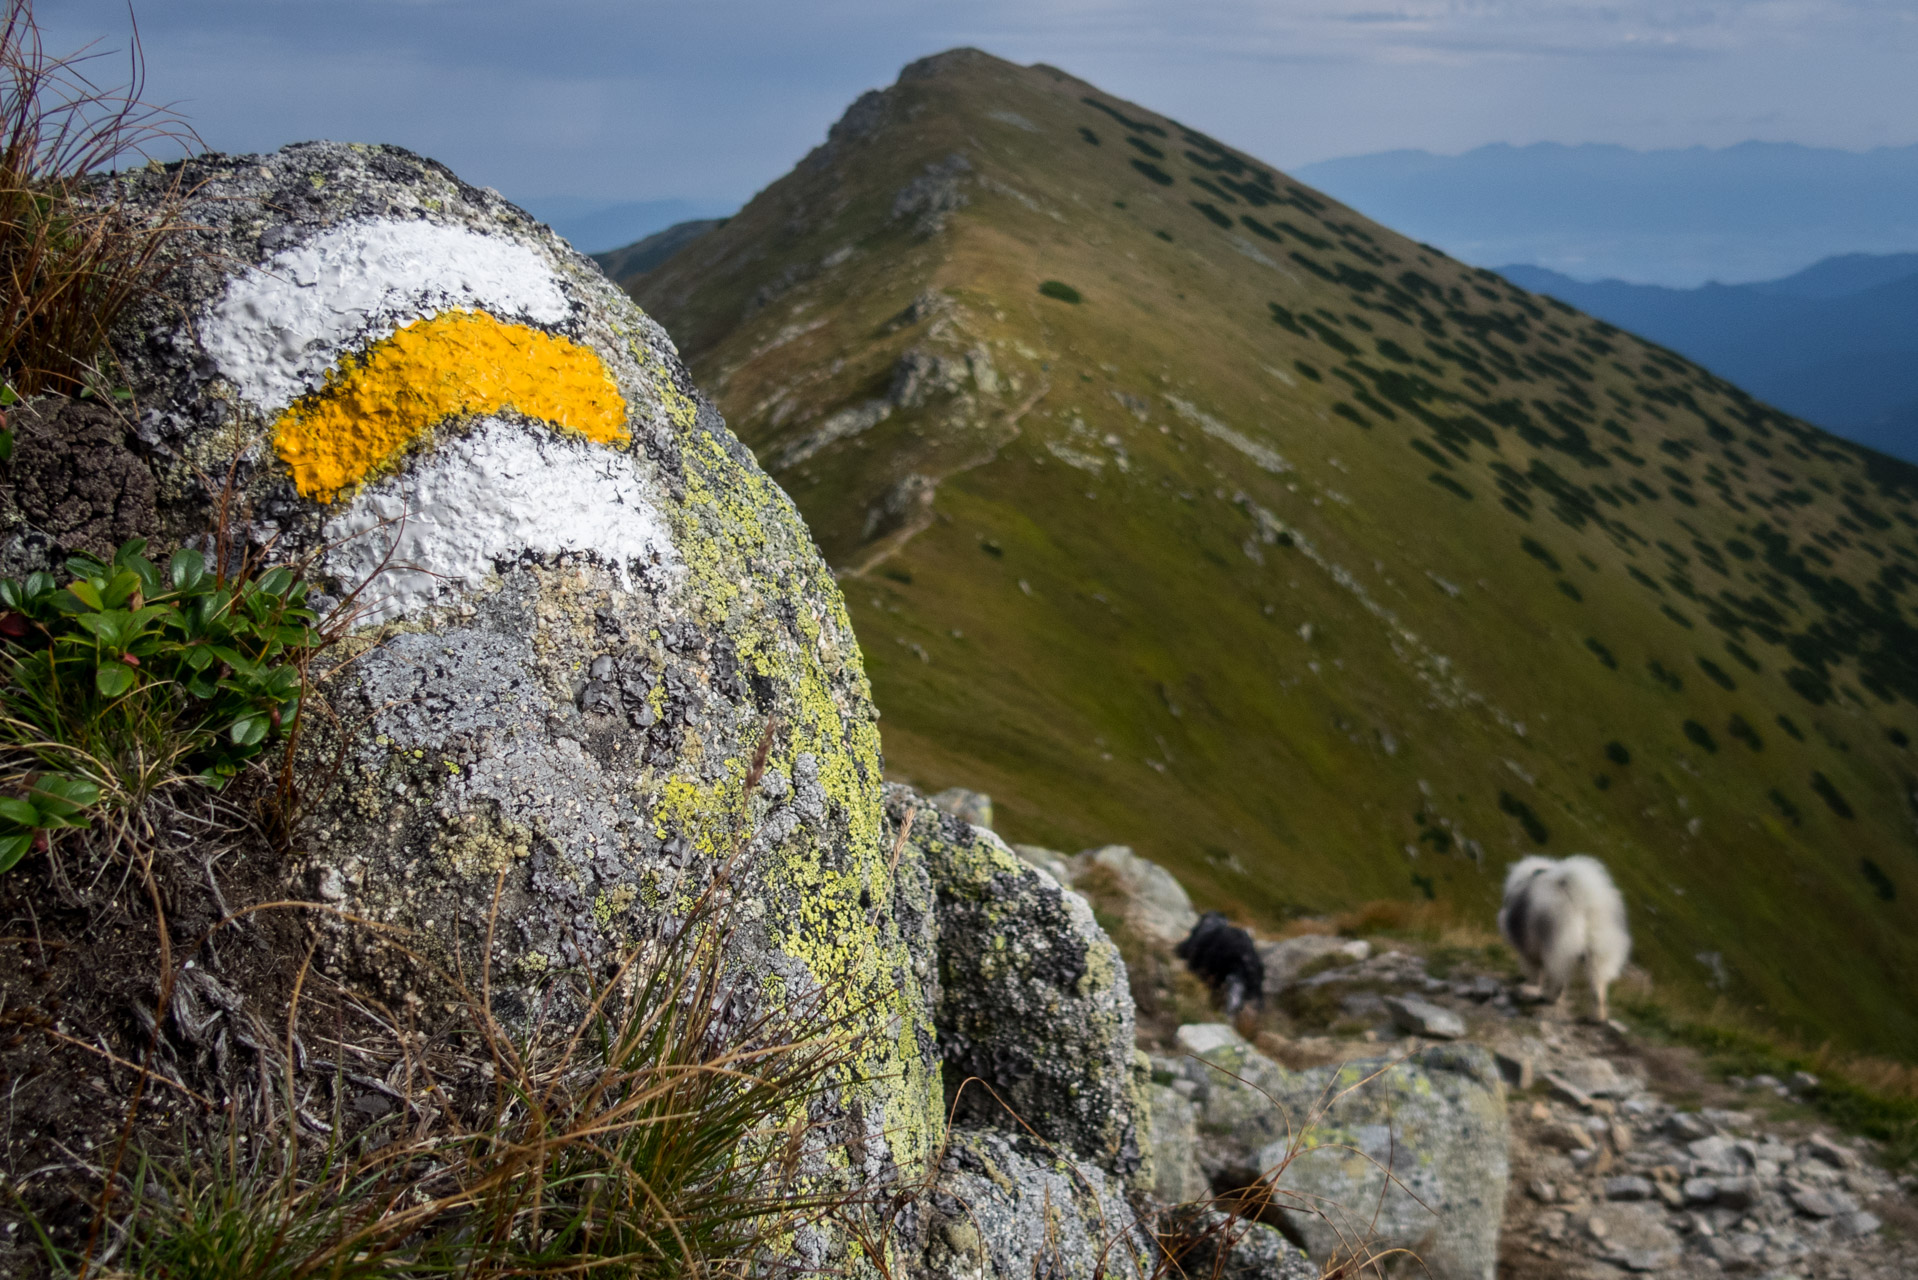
[73, 253]
[665, 1132]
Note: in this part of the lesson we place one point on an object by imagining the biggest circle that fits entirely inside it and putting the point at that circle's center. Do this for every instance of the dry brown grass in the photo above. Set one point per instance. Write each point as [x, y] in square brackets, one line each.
[1440, 923]
[74, 253]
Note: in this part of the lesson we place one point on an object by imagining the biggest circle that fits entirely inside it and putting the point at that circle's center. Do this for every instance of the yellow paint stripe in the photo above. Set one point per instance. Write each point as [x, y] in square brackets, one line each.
[452, 364]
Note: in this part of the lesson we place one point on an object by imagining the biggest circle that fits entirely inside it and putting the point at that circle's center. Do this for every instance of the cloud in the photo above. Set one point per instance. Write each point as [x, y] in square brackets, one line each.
[641, 99]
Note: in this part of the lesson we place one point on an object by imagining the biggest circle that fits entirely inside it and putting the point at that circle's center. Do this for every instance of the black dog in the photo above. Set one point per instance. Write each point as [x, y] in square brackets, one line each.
[1223, 956]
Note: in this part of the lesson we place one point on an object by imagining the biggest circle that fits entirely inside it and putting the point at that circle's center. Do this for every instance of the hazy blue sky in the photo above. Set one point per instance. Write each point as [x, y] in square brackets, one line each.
[708, 100]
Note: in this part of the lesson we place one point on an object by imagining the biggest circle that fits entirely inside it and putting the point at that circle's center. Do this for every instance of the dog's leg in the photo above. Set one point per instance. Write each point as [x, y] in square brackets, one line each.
[1553, 987]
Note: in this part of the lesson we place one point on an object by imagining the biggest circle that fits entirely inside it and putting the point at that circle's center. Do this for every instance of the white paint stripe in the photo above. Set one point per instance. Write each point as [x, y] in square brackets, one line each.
[278, 326]
[487, 496]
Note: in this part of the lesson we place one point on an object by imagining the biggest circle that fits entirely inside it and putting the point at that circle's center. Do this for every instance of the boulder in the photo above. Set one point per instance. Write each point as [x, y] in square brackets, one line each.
[76, 483]
[1628, 1187]
[1688, 1126]
[1326, 1136]
[1033, 1017]
[1285, 958]
[1050, 861]
[1143, 894]
[1209, 1244]
[1174, 1141]
[573, 609]
[1635, 1238]
[967, 806]
[1005, 1207]
[1595, 1078]
[1423, 1018]
[1819, 1202]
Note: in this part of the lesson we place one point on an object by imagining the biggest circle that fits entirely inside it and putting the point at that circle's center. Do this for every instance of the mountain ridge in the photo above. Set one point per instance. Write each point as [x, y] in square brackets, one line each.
[1176, 501]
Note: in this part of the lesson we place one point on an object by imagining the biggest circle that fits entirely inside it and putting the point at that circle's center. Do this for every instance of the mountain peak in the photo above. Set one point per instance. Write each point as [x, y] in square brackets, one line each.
[1176, 502]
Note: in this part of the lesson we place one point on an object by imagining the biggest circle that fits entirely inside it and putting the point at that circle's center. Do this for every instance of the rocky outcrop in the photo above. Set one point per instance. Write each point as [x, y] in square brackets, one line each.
[1392, 1154]
[1034, 1019]
[1006, 1208]
[1150, 900]
[967, 806]
[1286, 959]
[1202, 1241]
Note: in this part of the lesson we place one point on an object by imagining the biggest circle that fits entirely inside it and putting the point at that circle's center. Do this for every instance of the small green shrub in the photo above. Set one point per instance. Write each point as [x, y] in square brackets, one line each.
[1062, 291]
[1718, 674]
[1153, 172]
[1880, 883]
[1700, 736]
[1213, 213]
[1831, 795]
[1527, 818]
[1539, 552]
[130, 676]
[1284, 318]
[1258, 228]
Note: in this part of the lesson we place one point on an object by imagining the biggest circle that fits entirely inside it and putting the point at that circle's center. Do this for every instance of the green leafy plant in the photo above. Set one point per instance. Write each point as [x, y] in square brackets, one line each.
[130, 676]
[7, 400]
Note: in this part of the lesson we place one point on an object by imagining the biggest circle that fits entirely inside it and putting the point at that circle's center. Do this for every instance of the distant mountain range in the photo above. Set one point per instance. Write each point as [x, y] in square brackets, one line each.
[1836, 343]
[1177, 504]
[642, 256]
[1754, 211]
[593, 226]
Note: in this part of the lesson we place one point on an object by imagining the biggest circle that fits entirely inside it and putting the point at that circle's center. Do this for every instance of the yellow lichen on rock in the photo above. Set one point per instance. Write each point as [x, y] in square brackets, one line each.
[453, 364]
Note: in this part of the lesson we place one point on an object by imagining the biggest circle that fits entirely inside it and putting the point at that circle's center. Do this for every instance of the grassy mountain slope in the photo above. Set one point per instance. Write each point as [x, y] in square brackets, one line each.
[1316, 565]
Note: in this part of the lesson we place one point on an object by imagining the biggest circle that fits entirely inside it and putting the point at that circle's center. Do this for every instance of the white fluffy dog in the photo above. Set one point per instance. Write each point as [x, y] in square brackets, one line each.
[1558, 913]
